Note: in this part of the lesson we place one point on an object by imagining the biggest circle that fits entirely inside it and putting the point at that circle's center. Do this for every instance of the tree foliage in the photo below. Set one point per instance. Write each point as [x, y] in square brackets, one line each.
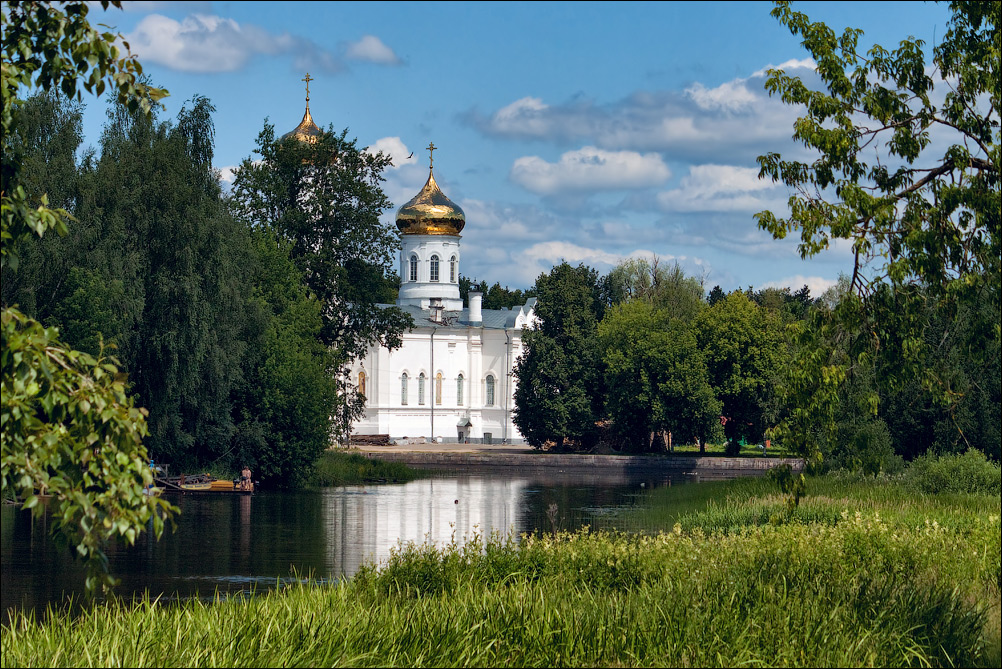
[68, 426]
[657, 377]
[560, 391]
[907, 170]
[325, 200]
[744, 347]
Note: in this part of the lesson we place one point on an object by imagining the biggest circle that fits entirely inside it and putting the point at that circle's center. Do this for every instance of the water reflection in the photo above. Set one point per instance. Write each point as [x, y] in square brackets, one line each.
[364, 524]
[232, 544]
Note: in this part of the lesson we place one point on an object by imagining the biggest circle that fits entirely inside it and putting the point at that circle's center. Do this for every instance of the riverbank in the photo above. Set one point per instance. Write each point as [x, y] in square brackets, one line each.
[863, 572]
[693, 466]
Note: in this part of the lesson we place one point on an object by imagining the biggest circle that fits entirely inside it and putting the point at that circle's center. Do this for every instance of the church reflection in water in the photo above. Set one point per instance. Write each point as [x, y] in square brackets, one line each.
[364, 523]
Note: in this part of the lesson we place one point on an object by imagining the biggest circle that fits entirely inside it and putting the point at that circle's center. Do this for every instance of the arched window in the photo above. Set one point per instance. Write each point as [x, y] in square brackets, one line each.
[452, 269]
[490, 390]
[459, 390]
[438, 388]
[414, 263]
[420, 388]
[403, 388]
[434, 268]
[361, 383]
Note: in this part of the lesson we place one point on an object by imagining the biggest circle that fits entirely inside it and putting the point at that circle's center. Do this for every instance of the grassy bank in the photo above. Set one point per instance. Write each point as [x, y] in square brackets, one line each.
[336, 468]
[863, 573]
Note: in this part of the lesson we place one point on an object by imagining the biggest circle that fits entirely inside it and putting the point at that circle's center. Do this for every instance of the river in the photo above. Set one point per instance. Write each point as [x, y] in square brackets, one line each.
[239, 544]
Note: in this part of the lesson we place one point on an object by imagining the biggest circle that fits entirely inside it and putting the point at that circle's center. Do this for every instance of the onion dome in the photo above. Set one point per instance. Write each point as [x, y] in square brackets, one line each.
[430, 212]
[307, 130]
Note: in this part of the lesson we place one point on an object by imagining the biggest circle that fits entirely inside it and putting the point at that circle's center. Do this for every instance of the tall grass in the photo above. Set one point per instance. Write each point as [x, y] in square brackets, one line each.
[335, 468]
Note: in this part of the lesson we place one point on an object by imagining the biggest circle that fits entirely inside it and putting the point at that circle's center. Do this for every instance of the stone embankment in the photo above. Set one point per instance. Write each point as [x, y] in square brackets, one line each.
[702, 468]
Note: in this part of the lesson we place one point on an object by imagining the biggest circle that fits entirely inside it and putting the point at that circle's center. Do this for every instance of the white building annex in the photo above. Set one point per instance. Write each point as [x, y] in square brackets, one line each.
[451, 380]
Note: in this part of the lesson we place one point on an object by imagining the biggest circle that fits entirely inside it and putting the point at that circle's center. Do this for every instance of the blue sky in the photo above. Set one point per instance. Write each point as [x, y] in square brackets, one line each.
[586, 132]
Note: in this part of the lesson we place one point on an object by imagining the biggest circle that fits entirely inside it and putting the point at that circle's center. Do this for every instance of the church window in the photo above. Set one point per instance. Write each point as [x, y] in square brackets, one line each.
[361, 383]
[490, 390]
[434, 268]
[459, 390]
[414, 264]
[438, 388]
[403, 388]
[452, 270]
[420, 389]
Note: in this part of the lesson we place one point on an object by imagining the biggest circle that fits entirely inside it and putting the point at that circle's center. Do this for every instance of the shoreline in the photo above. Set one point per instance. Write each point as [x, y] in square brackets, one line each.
[482, 456]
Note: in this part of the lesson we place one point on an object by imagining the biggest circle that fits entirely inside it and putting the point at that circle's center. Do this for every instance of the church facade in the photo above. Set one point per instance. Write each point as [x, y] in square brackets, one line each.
[451, 380]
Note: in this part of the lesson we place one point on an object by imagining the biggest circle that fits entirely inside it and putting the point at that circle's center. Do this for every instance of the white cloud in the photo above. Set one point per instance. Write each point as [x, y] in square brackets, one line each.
[730, 96]
[590, 169]
[817, 284]
[523, 116]
[226, 175]
[724, 188]
[158, 5]
[203, 43]
[372, 49]
[395, 148]
[792, 64]
[735, 121]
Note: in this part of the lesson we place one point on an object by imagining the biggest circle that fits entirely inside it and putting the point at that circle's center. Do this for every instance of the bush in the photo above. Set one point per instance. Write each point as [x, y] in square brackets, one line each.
[971, 472]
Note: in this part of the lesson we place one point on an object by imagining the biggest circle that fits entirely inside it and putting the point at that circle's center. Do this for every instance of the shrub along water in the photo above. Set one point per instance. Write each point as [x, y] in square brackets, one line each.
[863, 572]
[336, 468]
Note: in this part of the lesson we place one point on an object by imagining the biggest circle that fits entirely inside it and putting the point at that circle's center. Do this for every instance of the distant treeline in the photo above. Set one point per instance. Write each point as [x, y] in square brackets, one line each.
[644, 358]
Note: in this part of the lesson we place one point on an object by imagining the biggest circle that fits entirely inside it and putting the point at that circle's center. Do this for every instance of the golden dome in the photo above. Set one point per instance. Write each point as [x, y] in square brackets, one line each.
[307, 130]
[430, 212]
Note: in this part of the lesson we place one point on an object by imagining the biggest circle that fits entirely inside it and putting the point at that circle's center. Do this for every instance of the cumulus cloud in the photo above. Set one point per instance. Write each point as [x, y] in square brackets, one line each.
[590, 169]
[817, 284]
[211, 43]
[371, 49]
[735, 121]
[786, 65]
[395, 148]
[204, 43]
[723, 188]
[731, 96]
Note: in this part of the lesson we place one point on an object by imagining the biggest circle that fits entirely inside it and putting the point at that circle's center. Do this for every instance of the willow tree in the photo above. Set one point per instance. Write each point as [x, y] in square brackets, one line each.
[906, 169]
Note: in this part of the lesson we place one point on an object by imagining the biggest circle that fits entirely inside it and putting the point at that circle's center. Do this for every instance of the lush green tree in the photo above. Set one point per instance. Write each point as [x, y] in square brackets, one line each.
[744, 348]
[665, 286]
[922, 215]
[715, 295]
[288, 386]
[46, 134]
[560, 389]
[325, 199]
[163, 232]
[68, 426]
[657, 378]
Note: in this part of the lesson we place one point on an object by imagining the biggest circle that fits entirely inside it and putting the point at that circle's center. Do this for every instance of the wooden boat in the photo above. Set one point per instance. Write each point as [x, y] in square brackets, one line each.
[202, 483]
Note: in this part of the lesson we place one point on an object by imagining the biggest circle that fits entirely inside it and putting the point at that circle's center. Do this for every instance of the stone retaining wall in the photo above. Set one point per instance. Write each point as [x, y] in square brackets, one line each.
[702, 467]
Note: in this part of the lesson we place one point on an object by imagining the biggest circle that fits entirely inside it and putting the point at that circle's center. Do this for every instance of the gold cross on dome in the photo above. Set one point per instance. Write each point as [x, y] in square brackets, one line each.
[431, 154]
[307, 79]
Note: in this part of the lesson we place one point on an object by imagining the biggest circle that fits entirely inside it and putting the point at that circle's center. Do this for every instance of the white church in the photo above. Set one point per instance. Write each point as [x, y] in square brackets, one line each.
[451, 380]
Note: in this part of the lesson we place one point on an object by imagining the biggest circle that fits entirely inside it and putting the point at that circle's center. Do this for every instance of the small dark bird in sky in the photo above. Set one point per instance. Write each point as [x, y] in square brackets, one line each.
[410, 156]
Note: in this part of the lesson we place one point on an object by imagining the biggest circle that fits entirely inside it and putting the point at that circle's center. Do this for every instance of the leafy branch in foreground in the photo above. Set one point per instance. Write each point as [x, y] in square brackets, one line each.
[908, 172]
[68, 427]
